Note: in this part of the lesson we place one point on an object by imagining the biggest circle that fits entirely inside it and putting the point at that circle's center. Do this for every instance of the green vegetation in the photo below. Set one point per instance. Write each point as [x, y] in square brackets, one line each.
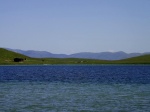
[7, 58]
[144, 59]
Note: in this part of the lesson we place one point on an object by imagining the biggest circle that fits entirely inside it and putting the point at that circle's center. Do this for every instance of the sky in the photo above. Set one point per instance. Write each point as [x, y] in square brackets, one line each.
[72, 26]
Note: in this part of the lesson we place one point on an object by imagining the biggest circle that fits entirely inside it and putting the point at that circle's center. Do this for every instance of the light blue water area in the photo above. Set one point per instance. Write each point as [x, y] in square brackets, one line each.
[75, 88]
[66, 97]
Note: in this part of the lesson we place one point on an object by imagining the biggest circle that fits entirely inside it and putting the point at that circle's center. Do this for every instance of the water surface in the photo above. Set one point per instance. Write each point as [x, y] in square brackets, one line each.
[65, 88]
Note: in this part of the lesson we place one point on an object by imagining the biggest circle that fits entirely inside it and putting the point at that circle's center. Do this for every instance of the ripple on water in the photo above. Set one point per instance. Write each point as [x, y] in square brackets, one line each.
[44, 96]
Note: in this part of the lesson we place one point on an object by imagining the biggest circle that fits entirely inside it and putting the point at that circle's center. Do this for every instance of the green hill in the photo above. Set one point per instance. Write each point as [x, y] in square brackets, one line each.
[144, 59]
[4, 54]
[7, 58]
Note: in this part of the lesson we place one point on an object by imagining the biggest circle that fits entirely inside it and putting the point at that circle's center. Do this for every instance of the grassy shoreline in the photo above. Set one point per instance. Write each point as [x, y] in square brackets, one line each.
[7, 58]
[51, 61]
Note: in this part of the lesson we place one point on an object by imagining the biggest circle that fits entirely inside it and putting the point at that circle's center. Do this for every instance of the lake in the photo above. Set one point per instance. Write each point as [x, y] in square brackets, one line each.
[75, 88]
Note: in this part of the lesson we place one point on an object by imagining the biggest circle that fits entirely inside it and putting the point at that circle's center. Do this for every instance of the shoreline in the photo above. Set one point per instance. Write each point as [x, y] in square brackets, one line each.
[72, 64]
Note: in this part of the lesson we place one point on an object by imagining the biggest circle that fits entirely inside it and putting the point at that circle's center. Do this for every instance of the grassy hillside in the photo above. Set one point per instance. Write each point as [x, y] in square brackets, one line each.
[7, 58]
[145, 59]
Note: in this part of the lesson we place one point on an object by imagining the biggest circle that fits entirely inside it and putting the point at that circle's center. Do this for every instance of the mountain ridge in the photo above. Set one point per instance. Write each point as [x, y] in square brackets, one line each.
[7, 58]
[87, 55]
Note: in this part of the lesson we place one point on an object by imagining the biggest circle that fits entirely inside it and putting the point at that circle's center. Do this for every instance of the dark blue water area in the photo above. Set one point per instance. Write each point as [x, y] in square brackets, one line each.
[126, 74]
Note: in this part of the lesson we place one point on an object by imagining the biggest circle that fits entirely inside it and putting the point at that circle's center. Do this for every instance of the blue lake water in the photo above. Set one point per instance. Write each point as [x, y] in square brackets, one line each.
[75, 88]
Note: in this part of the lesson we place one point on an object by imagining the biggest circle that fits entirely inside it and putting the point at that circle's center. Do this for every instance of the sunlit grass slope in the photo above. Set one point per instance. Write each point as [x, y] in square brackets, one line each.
[144, 59]
[7, 58]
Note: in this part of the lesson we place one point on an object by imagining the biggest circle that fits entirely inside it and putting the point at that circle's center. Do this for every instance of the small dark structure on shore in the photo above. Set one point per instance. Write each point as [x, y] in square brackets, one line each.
[18, 59]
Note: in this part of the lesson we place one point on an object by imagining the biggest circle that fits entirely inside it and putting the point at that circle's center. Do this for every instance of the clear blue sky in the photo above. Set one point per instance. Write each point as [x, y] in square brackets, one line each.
[71, 26]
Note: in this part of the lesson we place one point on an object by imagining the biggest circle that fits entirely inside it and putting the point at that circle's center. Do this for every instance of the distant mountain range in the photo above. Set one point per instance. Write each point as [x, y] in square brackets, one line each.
[102, 55]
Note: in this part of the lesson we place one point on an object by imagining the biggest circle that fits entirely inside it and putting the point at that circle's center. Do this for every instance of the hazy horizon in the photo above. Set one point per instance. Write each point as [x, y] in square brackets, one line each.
[75, 52]
[67, 27]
